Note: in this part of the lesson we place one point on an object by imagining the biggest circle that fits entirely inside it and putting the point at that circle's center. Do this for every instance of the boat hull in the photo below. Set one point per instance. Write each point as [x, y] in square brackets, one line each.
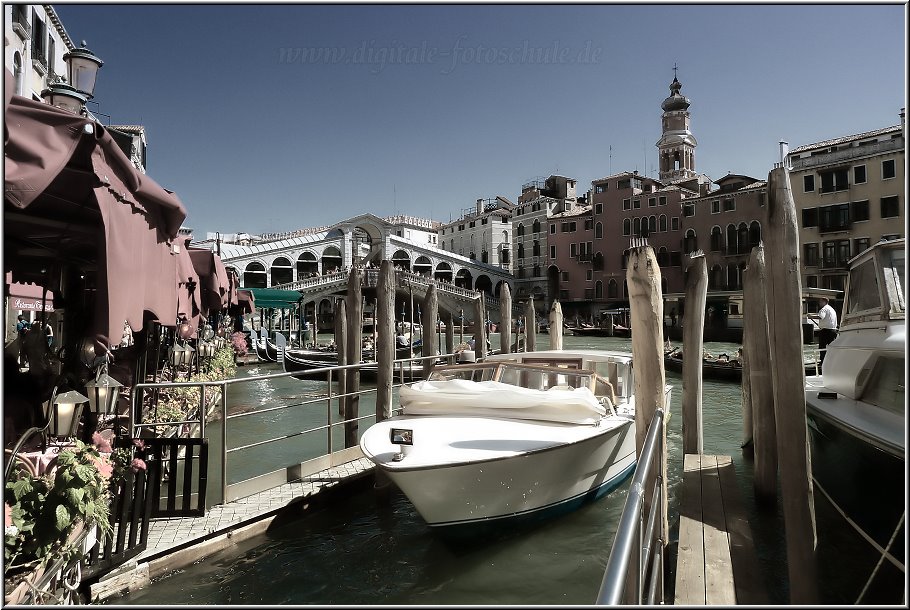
[530, 483]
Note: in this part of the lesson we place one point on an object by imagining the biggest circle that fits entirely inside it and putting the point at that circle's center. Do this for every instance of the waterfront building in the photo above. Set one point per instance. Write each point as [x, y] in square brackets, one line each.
[131, 140]
[483, 232]
[570, 256]
[849, 193]
[35, 43]
[539, 200]
[724, 224]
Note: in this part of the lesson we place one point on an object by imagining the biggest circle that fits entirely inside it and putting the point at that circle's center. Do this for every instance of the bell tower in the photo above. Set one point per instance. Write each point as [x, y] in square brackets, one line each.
[676, 147]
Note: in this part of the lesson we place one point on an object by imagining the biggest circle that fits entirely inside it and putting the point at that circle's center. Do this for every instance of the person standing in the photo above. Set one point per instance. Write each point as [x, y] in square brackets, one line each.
[827, 326]
[22, 326]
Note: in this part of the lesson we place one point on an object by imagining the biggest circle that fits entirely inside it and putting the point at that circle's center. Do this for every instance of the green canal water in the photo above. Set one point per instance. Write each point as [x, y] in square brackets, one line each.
[368, 552]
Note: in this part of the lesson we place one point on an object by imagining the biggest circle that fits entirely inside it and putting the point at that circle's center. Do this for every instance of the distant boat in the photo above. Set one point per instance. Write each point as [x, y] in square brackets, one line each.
[720, 367]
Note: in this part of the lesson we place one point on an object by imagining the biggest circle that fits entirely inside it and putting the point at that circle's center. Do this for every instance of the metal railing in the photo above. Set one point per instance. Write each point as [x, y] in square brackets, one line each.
[279, 473]
[634, 545]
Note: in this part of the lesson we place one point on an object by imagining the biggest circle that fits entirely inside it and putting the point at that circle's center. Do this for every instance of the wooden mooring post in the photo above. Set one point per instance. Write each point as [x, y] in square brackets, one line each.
[757, 376]
[646, 309]
[341, 341]
[430, 313]
[355, 351]
[530, 326]
[449, 319]
[693, 347]
[480, 327]
[384, 323]
[788, 375]
[555, 329]
[505, 319]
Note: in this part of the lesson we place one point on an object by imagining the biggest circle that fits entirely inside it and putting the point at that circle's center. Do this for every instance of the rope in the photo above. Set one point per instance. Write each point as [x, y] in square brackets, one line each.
[859, 530]
[882, 558]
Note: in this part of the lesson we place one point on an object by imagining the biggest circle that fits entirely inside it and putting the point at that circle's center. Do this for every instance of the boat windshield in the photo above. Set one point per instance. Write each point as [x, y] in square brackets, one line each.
[864, 294]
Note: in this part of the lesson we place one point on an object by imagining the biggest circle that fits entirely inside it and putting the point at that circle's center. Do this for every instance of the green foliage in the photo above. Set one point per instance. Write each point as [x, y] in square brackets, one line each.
[42, 510]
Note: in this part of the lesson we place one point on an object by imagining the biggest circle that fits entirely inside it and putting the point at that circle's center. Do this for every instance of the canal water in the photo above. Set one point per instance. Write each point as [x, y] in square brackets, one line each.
[370, 552]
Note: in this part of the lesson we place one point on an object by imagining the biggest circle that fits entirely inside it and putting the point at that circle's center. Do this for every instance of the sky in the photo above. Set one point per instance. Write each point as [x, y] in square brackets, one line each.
[271, 118]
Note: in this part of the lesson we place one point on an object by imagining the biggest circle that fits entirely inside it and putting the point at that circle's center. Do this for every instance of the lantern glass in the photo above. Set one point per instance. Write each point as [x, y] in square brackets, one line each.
[103, 393]
[175, 356]
[64, 414]
[82, 69]
[63, 96]
[187, 355]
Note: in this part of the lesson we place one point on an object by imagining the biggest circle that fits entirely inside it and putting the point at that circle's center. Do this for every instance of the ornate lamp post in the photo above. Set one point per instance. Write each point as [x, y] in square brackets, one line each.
[82, 70]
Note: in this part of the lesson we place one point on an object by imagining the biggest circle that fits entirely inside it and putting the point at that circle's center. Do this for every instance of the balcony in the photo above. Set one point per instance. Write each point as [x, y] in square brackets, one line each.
[829, 264]
[834, 227]
[20, 22]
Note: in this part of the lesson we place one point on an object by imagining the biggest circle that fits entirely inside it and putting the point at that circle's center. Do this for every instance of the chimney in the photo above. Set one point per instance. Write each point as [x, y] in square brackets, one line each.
[479, 207]
[902, 120]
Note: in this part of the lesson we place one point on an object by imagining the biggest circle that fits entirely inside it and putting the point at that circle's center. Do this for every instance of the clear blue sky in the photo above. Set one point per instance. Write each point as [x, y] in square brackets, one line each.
[422, 109]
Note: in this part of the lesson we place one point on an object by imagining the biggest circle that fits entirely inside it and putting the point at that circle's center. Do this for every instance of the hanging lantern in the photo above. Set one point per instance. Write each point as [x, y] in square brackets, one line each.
[103, 392]
[63, 412]
[188, 352]
[175, 354]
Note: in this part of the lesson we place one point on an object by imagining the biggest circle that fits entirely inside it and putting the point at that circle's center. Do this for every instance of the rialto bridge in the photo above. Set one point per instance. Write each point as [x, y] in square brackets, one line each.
[316, 264]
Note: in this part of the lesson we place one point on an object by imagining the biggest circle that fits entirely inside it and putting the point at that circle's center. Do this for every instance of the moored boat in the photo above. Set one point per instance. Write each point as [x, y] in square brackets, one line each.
[516, 437]
[720, 367]
[856, 417]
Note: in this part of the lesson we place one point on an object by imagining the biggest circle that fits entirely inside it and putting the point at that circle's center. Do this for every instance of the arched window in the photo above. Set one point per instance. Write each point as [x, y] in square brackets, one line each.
[598, 289]
[612, 290]
[521, 251]
[282, 272]
[717, 239]
[662, 223]
[254, 276]
[536, 226]
[636, 227]
[716, 279]
[732, 277]
[17, 72]
[599, 261]
[521, 229]
[536, 271]
[652, 224]
[731, 239]
[690, 243]
[598, 230]
[663, 256]
[536, 248]
[742, 238]
[754, 234]
[626, 226]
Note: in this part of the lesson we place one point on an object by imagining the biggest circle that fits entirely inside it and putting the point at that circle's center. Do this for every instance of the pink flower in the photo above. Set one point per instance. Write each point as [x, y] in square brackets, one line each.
[103, 445]
[7, 515]
[105, 469]
[137, 464]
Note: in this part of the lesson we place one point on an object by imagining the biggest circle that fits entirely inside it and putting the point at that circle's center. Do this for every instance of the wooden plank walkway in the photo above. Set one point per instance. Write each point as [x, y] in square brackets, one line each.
[716, 564]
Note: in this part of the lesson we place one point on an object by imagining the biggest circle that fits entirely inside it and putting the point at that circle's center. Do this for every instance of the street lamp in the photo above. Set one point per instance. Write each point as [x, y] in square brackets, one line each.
[103, 391]
[63, 412]
[82, 70]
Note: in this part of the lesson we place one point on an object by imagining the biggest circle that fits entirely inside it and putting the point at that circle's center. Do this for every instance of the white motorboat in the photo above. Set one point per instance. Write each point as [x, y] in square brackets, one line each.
[856, 414]
[516, 436]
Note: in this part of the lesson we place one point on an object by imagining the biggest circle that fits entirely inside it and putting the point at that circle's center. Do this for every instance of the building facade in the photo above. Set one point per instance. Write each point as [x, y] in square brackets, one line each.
[539, 200]
[849, 193]
[36, 42]
[483, 233]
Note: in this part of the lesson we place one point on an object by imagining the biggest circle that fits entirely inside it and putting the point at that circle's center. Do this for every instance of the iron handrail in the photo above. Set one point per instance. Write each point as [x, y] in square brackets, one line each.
[629, 539]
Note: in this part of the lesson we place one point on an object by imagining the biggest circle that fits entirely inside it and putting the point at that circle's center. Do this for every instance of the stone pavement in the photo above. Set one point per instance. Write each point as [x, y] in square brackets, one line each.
[172, 534]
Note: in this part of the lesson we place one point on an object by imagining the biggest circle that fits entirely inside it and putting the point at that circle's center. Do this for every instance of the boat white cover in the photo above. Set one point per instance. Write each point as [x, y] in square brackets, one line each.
[495, 399]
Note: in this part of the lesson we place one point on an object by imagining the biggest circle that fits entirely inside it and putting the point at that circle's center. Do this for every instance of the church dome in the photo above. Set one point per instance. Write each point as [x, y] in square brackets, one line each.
[676, 101]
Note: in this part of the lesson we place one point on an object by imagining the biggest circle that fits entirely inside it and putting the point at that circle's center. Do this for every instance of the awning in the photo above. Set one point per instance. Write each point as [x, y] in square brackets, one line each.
[273, 298]
[28, 297]
[245, 304]
[73, 200]
[214, 287]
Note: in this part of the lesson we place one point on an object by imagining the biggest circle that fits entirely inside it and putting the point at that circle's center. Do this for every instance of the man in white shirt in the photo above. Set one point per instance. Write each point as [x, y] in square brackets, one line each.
[827, 326]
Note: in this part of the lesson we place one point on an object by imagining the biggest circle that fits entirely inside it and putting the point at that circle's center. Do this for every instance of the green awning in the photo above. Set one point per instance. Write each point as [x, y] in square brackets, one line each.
[272, 298]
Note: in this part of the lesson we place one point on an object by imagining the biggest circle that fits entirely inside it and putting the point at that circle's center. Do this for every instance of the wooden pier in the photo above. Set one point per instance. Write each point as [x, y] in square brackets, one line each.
[716, 563]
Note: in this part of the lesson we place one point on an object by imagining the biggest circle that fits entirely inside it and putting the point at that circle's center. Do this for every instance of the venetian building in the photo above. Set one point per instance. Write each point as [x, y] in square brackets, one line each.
[676, 147]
